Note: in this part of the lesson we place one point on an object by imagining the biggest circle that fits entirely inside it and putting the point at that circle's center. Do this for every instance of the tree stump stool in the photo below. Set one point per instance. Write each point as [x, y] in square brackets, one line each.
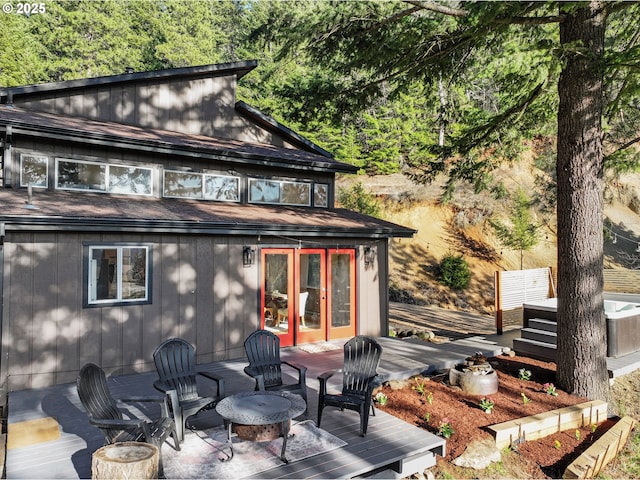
[125, 460]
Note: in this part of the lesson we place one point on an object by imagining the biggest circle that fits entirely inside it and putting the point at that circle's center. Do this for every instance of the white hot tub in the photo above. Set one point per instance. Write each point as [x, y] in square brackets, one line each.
[622, 317]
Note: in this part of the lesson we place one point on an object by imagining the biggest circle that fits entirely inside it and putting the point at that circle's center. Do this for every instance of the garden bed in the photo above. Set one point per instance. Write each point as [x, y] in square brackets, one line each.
[431, 403]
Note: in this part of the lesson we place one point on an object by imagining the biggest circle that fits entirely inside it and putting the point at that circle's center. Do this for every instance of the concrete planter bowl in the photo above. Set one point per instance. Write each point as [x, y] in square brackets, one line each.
[474, 379]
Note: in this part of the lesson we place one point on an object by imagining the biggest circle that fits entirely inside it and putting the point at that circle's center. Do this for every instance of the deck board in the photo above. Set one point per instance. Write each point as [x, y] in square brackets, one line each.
[388, 440]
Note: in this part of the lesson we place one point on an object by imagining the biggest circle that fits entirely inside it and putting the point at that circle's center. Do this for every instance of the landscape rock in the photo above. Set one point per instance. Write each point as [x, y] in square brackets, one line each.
[399, 384]
[479, 455]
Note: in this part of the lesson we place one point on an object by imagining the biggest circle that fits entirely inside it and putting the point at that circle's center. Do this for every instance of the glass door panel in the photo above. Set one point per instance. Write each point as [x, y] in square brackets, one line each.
[311, 307]
[277, 292]
[341, 300]
[308, 295]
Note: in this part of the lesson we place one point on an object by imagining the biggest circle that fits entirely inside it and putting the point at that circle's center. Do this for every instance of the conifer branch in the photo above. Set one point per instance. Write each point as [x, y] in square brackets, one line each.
[434, 7]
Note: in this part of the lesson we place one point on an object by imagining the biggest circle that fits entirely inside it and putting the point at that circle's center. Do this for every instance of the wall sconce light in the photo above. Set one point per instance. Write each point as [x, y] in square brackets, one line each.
[369, 255]
[248, 256]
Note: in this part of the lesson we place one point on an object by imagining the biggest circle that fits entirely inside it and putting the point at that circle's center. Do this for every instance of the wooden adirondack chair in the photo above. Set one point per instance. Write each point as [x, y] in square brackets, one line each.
[361, 359]
[175, 362]
[265, 366]
[104, 413]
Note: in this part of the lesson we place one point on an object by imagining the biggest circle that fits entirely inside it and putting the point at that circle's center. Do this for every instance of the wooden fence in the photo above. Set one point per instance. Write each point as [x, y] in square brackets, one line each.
[620, 280]
[515, 287]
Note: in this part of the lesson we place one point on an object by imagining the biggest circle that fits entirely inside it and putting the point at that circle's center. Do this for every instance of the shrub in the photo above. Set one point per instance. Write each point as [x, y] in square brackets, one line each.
[454, 271]
[357, 198]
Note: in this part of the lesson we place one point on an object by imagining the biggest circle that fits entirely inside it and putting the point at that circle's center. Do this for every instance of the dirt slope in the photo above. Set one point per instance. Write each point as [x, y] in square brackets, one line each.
[461, 226]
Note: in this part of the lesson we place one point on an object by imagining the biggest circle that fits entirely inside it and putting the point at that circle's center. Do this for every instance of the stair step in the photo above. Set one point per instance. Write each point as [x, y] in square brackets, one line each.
[542, 324]
[532, 348]
[543, 336]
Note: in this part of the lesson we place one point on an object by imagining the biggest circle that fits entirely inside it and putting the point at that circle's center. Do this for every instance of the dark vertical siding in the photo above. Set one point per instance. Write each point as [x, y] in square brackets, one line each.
[201, 292]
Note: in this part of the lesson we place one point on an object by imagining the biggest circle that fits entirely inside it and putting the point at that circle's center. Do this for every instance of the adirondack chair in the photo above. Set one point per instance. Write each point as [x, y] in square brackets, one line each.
[265, 366]
[104, 413]
[175, 362]
[361, 360]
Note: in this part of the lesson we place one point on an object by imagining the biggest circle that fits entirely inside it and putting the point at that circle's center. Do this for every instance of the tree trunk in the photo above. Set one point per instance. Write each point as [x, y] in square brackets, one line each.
[581, 354]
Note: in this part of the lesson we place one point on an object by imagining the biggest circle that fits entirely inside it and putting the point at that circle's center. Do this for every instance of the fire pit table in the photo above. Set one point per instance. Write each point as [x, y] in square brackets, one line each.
[260, 416]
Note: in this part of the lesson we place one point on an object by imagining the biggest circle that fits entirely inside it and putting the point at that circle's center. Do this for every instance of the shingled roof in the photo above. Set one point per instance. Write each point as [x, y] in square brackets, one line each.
[118, 135]
[61, 210]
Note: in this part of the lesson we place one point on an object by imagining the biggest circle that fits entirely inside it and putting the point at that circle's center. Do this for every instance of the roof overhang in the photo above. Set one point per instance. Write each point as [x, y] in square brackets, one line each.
[240, 69]
[83, 212]
[115, 135]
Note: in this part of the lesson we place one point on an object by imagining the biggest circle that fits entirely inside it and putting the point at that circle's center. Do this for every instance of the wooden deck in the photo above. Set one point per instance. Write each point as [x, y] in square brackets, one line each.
[391, 448]
[390, 445]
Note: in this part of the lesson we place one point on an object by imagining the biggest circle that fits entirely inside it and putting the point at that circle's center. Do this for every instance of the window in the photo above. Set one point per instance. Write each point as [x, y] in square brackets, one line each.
[74, 175]
[117, 274]
[275, 191]
[103, 177]
[220, 187]
[34, 170]
[202, 186]
[321, 195]
[130, 180]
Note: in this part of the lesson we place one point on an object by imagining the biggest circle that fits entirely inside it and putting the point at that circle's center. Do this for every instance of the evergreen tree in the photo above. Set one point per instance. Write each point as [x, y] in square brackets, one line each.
[518, 69]
[522, 233]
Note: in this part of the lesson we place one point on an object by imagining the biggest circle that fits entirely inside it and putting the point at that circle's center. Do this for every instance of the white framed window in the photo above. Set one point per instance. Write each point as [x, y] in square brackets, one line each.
[222, 188]
[182, 184]
[103, 177]
[321, 195]
[81, 175]
[264, 191]
[279, 192]
[117, 274]
[34, 170]
[130, 180]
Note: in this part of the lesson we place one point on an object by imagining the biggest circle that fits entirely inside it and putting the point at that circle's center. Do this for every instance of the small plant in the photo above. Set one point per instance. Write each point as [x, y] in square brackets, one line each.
[420, 388]
[525, 399]
[486, 404]
[381, 398]
[445, 429]
[557, 444]
[550, 389]
[524, 374]
[427, 417]
[577, 434]
[430, 398]
[594, 427]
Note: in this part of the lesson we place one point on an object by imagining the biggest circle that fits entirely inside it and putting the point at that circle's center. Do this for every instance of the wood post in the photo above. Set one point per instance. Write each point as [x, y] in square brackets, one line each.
[125, 460]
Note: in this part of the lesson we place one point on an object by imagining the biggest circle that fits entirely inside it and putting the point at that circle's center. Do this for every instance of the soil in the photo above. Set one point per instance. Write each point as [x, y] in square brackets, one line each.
[428, 401]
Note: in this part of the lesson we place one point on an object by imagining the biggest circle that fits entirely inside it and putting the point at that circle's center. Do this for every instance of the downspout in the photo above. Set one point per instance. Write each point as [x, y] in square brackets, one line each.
[5, 179]
[3, 368]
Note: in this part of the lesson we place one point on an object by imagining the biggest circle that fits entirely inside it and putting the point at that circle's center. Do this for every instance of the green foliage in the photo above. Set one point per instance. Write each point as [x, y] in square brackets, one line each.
[454, 271]
[524, 374]
[522, 233]
[356, 198]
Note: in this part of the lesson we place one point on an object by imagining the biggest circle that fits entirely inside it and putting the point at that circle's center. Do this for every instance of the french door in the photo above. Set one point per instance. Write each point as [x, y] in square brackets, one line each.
[308, 294]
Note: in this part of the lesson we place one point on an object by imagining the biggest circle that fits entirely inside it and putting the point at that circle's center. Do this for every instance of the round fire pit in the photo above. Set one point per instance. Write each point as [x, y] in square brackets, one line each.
[479, 379]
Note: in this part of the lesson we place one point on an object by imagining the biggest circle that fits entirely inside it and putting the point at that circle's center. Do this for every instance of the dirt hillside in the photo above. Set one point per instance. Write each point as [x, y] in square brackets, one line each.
[461, 227]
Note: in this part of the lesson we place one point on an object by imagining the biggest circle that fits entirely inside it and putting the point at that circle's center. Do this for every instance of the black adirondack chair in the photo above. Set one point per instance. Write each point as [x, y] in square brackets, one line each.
[361, 360]
[265, 366]
[104, 413]
[176, 365]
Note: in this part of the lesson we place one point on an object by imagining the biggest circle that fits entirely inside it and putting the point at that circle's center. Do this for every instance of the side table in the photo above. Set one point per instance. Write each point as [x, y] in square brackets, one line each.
[251, 409]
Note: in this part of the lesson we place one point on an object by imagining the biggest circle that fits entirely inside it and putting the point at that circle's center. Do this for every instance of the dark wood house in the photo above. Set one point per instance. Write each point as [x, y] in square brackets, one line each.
[143, 206]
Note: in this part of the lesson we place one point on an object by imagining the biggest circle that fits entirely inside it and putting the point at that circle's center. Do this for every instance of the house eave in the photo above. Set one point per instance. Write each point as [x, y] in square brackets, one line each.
[61, 224]
[193, 152]
[272, 125]
[240, 69]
